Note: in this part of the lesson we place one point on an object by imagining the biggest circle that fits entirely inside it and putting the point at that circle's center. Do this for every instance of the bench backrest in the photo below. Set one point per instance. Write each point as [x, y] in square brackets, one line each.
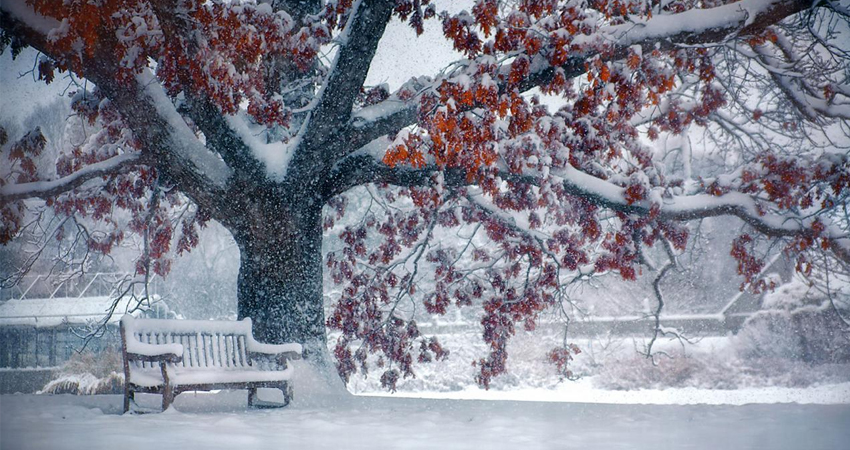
[206, 344]
[202, 349]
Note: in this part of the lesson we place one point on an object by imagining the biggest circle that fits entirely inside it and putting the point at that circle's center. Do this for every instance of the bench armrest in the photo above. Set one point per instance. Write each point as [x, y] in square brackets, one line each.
[289, 351]
[140, 351]
[168, 357]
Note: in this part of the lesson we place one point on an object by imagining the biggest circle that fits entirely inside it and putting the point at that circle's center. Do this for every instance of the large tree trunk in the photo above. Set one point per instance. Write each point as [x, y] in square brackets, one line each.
[280, 285]
[280, 276]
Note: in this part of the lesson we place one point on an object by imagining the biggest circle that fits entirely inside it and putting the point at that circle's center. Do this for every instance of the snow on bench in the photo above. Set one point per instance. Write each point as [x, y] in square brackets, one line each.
[168, 357]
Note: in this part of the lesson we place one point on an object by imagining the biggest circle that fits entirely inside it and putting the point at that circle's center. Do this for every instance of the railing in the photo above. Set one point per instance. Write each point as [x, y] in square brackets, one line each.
[88, 285]
[697, 325]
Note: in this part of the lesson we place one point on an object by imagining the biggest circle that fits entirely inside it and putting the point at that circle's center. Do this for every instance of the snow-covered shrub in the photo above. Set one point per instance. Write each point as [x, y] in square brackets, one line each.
[713, 371]
[796, 323]
[85, 384]
[639, 372]
[89, 373]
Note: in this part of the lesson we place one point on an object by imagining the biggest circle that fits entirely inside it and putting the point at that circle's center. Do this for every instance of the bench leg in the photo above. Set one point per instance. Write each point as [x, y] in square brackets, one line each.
[128, 394]
[167, 388]
[252, 396]
[167, 396]
[286, 387]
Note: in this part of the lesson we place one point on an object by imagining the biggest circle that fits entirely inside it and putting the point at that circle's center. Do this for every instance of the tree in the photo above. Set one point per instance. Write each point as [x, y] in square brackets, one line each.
[228, 108]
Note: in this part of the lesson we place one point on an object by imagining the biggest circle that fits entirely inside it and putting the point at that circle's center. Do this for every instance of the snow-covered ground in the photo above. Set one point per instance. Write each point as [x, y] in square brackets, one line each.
[583, 391]
[521, 419]
[442, 409]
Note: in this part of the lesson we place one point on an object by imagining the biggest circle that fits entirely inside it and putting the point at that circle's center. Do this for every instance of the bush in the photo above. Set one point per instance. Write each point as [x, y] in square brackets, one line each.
[711, 371]
[811, 334]
[89, 373]
[85, 384]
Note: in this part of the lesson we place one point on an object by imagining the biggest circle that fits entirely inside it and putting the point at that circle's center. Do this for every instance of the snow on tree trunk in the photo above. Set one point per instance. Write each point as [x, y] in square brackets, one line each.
[280, 280]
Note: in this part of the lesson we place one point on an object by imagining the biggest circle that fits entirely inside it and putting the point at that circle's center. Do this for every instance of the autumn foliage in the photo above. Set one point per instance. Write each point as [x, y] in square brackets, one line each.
[499, 163]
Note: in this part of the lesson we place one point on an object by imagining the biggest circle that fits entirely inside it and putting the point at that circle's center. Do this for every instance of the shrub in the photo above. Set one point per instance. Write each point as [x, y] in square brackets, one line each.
[89, 373]
[797, 323]
[712, 371]
[85, 384]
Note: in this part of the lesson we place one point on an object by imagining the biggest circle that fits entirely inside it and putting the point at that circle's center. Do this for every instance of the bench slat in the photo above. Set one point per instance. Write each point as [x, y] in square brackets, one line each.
[220, 357]
[228, 347]
[241, 341]
[231, 354]
[234, 346]
[207, 349]
[187, 351]
[196, 350]
[146, 338]
[186, 341]
[197, 337]
[216, 362]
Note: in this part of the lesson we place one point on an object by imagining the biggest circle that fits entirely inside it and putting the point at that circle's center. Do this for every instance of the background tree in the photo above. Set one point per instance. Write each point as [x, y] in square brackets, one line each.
[225, 111]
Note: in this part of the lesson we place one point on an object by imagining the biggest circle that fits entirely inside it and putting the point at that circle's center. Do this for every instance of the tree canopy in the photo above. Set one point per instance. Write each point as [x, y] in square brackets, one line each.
[668, 112]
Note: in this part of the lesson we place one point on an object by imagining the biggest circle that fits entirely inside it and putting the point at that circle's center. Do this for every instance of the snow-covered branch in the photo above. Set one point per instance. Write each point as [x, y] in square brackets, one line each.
[361, 169]
[200, 108]
[700, 206]
[298, 9]
[334, 102]
[796, 87]
[45, 189]
[378, 120]
[694, 27]
[144, 106]
[703, 26]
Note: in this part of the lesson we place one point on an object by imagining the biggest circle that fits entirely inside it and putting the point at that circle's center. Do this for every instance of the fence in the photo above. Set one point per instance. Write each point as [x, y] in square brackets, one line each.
[87, 285]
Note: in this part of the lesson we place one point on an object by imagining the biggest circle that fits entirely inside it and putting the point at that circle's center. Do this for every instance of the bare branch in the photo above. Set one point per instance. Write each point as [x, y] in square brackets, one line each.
[795, 86]
[658, 330]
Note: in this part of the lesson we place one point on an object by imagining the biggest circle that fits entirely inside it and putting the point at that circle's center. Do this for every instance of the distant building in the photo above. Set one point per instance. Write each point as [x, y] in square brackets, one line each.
[45, 332]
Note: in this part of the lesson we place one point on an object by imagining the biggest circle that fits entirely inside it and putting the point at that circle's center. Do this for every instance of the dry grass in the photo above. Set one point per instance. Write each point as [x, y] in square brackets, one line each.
[89, 374]
[85, 384]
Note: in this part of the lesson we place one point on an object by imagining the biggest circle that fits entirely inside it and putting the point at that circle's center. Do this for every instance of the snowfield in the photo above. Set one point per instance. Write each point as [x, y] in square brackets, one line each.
[222, 421]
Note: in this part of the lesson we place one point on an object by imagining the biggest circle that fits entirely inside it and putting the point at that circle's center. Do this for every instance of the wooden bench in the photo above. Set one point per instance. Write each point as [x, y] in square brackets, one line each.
[168, 357]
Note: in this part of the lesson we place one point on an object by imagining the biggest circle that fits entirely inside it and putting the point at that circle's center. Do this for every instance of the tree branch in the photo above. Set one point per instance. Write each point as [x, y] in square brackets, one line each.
[221, 138]
[700, 206]
[356, 170]
[391, 116]
[206, 115]
[297, 9]
[46, 189]
[796, 88]
[694, 27]
[359, 41]
[143, 105]
[690, 28]
[361, 169]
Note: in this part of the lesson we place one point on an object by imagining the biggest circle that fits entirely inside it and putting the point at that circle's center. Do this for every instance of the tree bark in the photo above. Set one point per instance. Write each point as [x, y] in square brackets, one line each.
[280, 276]
[279, 235]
